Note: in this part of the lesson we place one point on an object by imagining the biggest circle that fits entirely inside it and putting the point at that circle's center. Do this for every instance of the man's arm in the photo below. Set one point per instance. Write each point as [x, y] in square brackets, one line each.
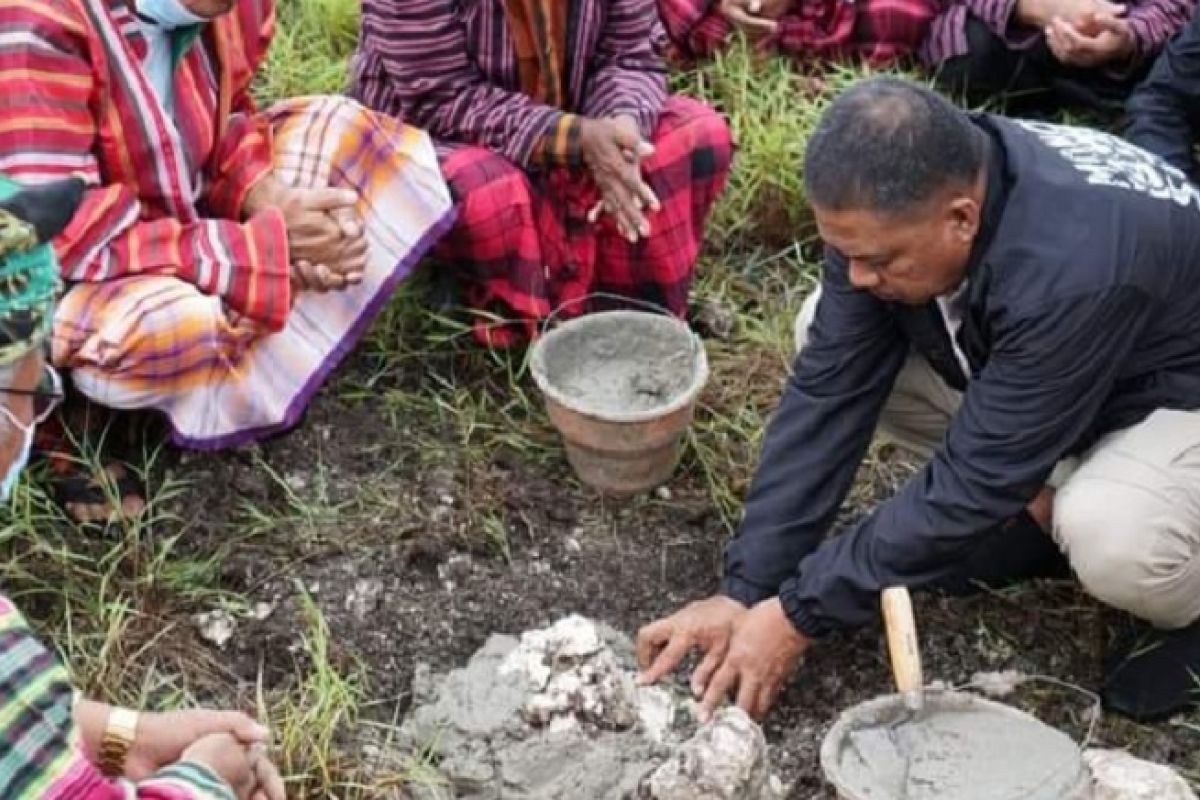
[242, 155]
[415, 57]
[1164, 109]
[818, 436]
[1154, 22]
[628, 77]
[1040, 392]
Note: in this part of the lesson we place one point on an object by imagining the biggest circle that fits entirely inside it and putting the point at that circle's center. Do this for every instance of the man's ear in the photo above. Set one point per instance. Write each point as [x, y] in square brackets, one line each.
[964, 215]
[48, 208]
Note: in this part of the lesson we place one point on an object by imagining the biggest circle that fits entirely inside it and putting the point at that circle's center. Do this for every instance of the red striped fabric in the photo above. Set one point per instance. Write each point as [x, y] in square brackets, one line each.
[873, 31]
[523, 246]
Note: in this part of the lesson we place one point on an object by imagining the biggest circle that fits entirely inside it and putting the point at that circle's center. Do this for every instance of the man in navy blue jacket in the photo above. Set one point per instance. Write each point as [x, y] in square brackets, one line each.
[1020, 301]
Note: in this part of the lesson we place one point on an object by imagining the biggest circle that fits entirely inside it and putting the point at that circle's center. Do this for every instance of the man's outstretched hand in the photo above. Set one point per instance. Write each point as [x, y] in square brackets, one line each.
[749, 654]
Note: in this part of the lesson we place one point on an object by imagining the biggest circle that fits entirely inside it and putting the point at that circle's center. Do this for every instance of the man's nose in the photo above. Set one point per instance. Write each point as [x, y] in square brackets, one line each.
[863, 277]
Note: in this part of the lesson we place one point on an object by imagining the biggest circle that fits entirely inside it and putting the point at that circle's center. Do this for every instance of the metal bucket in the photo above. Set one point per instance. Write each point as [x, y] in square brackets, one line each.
[621, 449]
[862, 757]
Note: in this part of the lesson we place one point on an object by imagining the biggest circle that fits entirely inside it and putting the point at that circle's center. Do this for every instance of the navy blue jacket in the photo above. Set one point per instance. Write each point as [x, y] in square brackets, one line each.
[1164, 110]
[1082, 317]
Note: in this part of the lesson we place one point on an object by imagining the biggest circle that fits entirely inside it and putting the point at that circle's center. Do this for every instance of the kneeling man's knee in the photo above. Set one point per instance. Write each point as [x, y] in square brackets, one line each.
[1132, 548]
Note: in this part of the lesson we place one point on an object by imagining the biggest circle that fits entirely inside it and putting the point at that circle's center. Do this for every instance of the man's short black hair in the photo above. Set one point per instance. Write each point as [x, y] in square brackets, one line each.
[888, 145]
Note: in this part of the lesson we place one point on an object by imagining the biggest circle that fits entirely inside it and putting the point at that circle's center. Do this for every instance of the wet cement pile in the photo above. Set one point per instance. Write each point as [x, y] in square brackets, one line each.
[556, 714]
[956, 750]
[633, 363]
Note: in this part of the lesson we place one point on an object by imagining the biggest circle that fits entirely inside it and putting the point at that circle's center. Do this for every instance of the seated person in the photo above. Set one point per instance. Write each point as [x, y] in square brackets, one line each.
[222, 261]
[56, 745]
[573, 171]
[1164, 110]
[1039, 55]
[877, 32]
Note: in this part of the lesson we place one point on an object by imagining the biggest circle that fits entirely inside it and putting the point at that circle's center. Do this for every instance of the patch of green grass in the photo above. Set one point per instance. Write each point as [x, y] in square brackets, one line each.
[309, 720]
[313, 40]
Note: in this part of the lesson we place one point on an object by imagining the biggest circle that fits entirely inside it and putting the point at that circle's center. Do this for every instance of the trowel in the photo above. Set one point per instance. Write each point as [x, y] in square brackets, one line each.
[904, 650]
[882, 748]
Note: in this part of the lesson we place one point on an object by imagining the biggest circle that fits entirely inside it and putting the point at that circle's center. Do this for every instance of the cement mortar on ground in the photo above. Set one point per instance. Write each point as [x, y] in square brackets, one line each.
[557, 714]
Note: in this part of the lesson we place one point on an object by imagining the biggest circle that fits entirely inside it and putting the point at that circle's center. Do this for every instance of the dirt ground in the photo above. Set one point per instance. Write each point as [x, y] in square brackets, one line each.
[401, 582]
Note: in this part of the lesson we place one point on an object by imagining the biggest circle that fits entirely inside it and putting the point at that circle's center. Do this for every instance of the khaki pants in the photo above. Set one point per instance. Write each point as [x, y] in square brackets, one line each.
[1127, 514]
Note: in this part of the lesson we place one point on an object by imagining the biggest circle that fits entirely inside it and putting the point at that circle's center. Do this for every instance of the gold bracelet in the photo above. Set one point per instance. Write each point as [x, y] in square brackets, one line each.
[119, 735]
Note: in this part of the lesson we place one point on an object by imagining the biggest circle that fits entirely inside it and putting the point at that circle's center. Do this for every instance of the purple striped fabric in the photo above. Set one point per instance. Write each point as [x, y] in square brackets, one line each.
[449, 66]
[1152, 21]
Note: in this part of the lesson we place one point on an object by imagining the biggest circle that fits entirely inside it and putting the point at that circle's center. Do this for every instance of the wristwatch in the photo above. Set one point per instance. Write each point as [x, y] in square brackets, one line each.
[119, 735]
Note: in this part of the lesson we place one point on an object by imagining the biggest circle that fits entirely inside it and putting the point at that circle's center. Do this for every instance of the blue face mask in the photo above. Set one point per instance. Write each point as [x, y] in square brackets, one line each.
[18, 464]
[168, 14]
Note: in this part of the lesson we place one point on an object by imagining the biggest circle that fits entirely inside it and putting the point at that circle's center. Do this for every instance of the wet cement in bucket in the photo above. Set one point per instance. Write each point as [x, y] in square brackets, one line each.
[961, 746]
[619, 363]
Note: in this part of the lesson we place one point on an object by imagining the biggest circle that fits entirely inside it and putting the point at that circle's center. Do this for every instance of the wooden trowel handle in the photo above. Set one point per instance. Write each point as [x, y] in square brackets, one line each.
[903, 647]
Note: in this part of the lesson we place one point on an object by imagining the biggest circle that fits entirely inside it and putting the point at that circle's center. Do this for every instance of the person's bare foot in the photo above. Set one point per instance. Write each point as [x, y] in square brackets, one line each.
[88, 499]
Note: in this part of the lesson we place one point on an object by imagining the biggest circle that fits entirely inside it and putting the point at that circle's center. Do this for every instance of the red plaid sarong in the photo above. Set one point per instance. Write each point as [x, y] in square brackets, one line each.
[525, 248]
[873, 31]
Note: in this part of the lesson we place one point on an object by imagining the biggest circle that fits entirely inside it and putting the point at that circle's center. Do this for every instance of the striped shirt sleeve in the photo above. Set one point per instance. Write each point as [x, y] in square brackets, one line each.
[243, 154]
[43, 755]
[1154, 22]
[629, 77]
[414, 63]
[47, 100]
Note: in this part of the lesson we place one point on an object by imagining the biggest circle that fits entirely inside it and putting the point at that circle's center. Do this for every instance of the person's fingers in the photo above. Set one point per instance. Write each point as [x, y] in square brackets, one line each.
[1055, 43]
[627, 233]
[329, 277]
[747, 695]
[594, 214]
[653, 637]
[243, 726]
[648, 197]
[1071, 37]
[671, 656]
[270, 782]
[1107, 23]
[712, 661]
[718, 690]
[328, 199]
[626, 137]
[767, 695]
[348, 221]
[623, 204]
[750, 23]
[633, 221]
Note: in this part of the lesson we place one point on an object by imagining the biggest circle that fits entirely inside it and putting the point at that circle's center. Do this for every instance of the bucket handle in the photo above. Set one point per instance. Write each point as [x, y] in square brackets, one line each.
[634, 301]
[648, 305]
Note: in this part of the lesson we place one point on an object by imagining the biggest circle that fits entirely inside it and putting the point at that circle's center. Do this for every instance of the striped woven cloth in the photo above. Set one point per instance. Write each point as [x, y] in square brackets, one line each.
[221, 378]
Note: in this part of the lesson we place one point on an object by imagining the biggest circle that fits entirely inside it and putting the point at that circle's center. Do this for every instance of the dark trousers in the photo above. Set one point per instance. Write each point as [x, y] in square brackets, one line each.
[1029, 81]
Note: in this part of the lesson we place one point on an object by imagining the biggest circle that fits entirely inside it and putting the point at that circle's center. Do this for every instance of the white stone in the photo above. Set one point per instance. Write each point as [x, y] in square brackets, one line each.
[725, 760]
[997, 684]
[216, 626]
[1117, 775]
